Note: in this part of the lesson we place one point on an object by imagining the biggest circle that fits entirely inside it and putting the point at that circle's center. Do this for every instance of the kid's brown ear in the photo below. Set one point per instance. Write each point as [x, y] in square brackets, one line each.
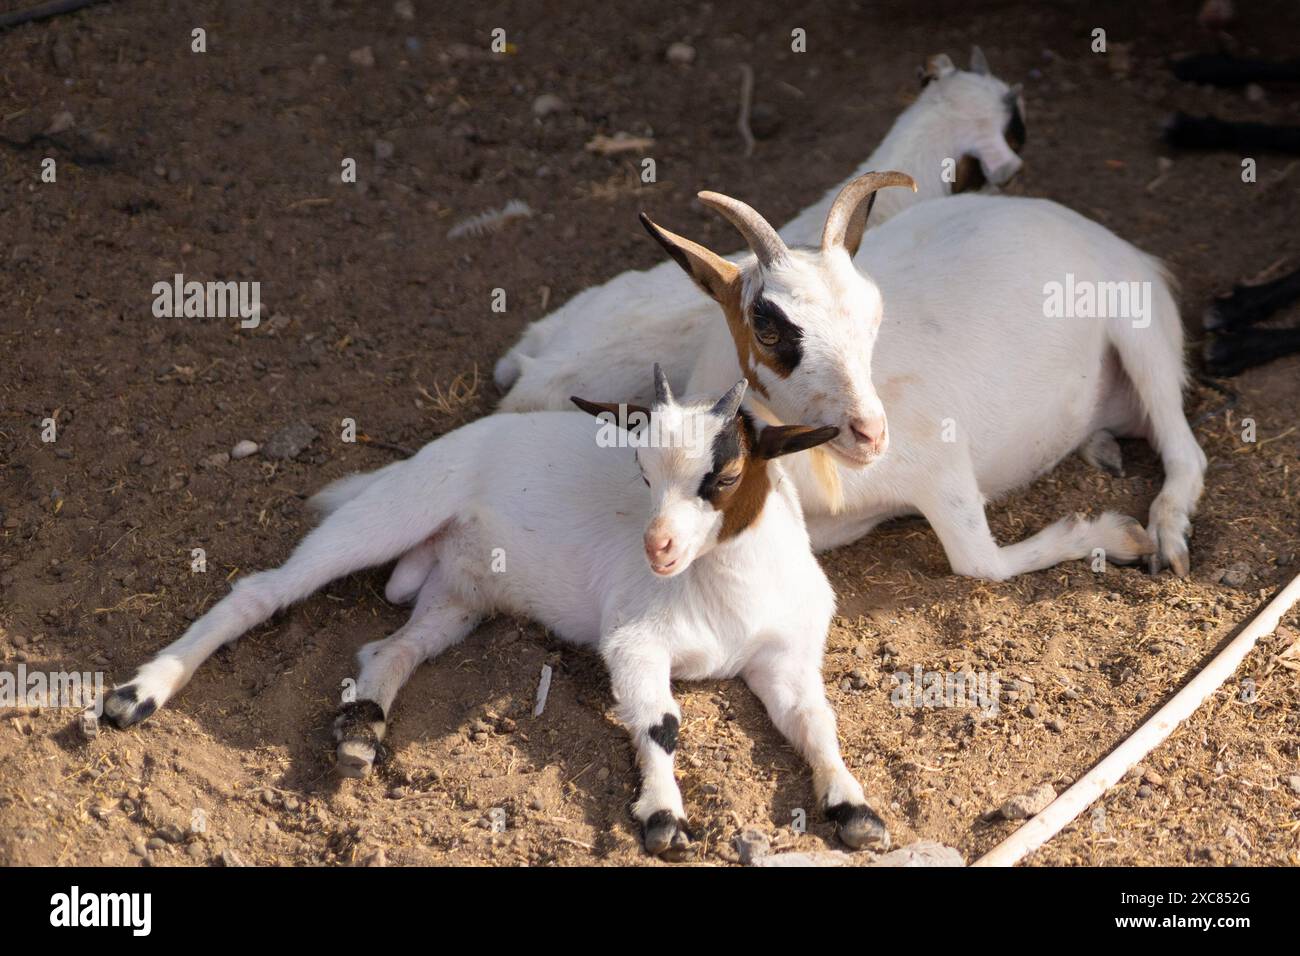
[719, 278]
[622, 413]
[777, 440]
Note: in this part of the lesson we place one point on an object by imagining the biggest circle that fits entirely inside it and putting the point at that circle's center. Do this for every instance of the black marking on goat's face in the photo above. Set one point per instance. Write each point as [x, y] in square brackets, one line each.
[1014, 133]
[665, 733]
[780, 341]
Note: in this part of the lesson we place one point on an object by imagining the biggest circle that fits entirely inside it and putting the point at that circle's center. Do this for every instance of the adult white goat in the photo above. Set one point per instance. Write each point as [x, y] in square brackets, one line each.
[964, 128]
[985, 390]
[529, 514]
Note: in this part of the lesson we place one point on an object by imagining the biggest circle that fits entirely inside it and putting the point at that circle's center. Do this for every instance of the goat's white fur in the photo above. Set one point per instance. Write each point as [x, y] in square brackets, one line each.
[567, 518]
[604, 334]
[961, 283]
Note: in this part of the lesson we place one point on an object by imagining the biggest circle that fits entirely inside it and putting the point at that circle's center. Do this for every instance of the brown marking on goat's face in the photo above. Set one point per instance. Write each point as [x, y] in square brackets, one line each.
[733, 456]
[742, 335]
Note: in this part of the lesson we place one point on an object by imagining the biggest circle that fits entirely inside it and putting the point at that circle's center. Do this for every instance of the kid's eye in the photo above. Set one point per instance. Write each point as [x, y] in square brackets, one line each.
[726, 481]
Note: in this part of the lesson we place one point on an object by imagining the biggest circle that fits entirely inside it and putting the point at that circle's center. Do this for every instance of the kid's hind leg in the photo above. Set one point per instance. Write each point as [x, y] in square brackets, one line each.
[348, 540]
[791, 689]
[438, 622]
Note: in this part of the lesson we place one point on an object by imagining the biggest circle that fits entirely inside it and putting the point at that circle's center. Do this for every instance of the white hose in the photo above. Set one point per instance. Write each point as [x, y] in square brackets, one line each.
[1145, 739]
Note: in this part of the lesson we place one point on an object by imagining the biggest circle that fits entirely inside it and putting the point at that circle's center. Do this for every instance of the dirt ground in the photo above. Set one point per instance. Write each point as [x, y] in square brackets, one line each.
[225, 165]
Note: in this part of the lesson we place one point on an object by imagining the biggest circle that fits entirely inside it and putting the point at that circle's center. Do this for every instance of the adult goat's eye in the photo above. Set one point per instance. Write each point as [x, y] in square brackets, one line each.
[765, 328]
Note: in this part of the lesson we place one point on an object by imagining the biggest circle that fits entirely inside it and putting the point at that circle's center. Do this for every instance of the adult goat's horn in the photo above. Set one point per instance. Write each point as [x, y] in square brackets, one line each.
[847, 219]
[762, 238]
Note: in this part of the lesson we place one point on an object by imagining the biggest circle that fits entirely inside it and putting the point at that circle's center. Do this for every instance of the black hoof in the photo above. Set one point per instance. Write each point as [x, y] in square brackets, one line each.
[123, 709]
[358, 729]
[859, 827]
[666, 836]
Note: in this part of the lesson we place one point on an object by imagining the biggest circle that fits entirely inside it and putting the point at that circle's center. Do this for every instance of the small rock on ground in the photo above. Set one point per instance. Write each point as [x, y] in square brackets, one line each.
[752, 845]
[921, 853]
[1025, 805]
[289, 441]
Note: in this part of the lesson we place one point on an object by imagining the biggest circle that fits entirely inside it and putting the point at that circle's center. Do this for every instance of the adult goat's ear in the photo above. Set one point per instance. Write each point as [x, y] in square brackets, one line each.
[712, 273]
[623, 414]
[936, 68]
[978, 62]
[777, 440]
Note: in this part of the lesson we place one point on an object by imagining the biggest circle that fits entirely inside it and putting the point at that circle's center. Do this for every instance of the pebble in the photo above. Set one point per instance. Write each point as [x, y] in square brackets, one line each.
[1056, 725]
[362, 56]
[404, 9]
[61, 123]
[1293, 782]
[155, 843]
[1033, 710]
[546, 104]
[216, 461]
[1237, 575]
[1025, 805]
[683, 54]
[61, 54]
[230, 858]
[289, 441]
[243, 449]
[1144, 791]
[375, 858]
[752, 845]
[921, 853]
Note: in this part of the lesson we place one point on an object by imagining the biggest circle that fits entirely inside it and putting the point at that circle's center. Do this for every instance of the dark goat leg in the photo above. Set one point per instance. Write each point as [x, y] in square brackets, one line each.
[1207, 132]
[1249, 304]
[1233, 354]
[1219, 70]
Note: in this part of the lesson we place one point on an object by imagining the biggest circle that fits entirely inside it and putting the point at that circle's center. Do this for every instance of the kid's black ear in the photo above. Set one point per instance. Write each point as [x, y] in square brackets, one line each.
[622, 413]
[777, 440]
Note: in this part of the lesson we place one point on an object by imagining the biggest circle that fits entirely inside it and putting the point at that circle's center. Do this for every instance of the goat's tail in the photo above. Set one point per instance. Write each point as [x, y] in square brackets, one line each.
[328, 499]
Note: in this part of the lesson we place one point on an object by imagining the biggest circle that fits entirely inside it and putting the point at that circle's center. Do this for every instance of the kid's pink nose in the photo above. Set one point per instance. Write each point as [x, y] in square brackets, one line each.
[658, 544]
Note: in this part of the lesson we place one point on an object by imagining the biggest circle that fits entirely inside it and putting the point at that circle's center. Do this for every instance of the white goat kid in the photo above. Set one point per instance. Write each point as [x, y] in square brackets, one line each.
[596, 342]
[983, 390]
[732, 587]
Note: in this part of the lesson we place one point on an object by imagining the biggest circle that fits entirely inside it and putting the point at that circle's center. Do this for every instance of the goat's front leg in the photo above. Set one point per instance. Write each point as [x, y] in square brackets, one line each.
[438, 622]
[955, 509]
[790, 686]
[640, 674]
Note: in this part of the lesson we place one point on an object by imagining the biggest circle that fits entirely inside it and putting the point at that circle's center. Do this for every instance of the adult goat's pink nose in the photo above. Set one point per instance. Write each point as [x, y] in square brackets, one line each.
[872, 433]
